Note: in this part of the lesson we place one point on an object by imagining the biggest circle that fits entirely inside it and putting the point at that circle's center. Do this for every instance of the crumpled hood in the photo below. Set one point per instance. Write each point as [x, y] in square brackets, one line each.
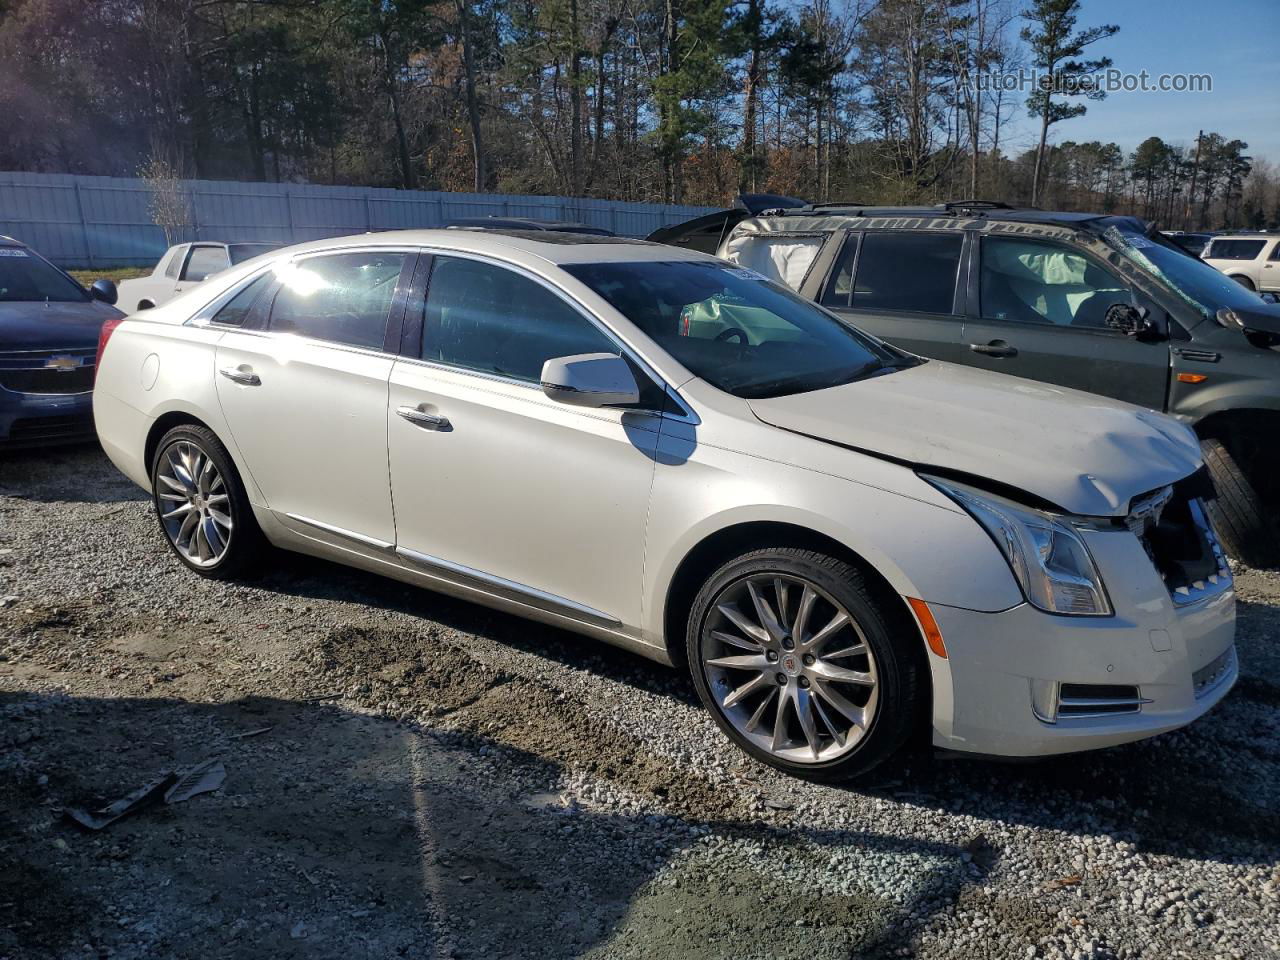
[1084, 453]
[33, 325]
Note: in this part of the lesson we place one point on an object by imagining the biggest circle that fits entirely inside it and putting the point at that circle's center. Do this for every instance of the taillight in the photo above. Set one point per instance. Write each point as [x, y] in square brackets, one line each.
[108, 328]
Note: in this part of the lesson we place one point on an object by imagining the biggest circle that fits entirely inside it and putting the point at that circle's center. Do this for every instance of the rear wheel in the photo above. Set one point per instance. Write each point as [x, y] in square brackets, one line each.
[801, 666]
[201, 505]
[1238, 513]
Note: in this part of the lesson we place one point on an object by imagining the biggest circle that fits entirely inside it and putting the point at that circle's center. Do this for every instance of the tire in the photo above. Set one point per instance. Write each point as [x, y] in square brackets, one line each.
[1244, 282]
[225, 542]
[800, 677]
[1237, 512]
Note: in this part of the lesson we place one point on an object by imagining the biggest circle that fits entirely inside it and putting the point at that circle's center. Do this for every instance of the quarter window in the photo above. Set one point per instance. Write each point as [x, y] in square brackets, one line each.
[203, 262]
[235, 310]
[343, 298]
[486, 318]
[907, 271]
[1027, 281]
[174, 263]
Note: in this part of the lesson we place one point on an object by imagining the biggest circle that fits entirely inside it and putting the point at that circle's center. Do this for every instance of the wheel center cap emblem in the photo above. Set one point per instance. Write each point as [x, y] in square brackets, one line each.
[791, 664]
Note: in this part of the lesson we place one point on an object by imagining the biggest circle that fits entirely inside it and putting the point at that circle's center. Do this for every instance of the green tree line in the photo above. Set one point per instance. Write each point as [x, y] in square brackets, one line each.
[684, 101]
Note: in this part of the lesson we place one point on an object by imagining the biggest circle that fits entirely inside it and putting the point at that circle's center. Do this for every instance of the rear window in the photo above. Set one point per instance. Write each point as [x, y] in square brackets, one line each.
[1234, 249]
[897, 271]
[24, 276]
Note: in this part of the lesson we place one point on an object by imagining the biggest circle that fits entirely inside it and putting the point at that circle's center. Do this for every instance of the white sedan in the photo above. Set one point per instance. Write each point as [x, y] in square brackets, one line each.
[665, 452]
[181, 268]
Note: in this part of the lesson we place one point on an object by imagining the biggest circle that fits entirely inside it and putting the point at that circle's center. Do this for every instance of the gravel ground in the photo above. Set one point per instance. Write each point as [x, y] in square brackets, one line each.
[409, 775]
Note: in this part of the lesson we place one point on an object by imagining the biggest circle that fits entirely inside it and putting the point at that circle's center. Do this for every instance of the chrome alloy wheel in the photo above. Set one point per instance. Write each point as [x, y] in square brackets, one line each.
[194, 503]
[789, 667]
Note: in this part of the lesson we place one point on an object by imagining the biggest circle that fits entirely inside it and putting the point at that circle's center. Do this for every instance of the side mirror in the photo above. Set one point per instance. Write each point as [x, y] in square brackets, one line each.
[104, 290]
[1132, 321]
[590, 380]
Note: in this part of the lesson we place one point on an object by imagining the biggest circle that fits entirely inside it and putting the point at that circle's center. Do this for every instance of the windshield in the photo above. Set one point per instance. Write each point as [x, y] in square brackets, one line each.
[736, 330]
[1195, 281]
[24, 276]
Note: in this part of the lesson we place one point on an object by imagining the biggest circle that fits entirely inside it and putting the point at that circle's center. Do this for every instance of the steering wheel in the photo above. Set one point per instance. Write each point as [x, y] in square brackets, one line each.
[724, 336]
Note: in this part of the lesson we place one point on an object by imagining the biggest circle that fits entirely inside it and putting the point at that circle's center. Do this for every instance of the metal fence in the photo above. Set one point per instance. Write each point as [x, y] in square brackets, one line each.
[104, 221]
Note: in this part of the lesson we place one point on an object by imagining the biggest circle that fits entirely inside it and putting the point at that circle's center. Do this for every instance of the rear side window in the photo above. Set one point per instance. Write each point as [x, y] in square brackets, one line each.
[174, 263]
[783, 257]
[235, 310]
[203, 262]
[1234, 249]
[343, 298]
[907, 271]
[487, 318]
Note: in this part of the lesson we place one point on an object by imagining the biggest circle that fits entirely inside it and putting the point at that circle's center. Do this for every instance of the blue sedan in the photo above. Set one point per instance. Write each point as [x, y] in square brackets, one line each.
[49, 328]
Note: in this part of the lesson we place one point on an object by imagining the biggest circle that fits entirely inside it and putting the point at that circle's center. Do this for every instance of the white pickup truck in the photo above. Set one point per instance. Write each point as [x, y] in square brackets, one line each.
[1250, 259]
[182, 267]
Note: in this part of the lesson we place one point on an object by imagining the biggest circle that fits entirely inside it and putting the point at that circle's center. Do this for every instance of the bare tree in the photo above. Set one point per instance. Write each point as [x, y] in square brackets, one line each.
[170, 206]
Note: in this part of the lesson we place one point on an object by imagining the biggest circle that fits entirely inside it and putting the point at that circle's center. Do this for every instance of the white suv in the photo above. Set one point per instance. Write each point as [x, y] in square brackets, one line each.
[666, 452]
[1251, 259]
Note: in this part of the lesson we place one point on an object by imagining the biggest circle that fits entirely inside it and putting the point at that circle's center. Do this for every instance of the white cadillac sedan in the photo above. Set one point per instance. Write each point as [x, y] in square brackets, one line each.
[663, 451]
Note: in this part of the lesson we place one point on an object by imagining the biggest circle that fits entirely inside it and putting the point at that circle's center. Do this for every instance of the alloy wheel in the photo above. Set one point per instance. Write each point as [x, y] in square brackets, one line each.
[789, 668]
[194, 503]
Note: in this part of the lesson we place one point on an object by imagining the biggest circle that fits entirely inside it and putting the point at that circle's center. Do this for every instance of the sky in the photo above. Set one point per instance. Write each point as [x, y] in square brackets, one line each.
[1237, 42]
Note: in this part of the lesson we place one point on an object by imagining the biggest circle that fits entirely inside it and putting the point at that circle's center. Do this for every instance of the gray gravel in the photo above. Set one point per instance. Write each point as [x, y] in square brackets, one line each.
[437, 780]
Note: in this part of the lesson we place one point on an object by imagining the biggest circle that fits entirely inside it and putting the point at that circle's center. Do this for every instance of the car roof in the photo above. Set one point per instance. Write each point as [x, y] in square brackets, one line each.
[524, 223]
[10, 242]
[547, 245]
[1246, 235]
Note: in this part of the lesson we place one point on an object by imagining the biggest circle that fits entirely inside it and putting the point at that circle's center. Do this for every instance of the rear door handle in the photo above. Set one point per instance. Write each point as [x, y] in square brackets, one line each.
[247, 377]
[428, 421]
[996, 348]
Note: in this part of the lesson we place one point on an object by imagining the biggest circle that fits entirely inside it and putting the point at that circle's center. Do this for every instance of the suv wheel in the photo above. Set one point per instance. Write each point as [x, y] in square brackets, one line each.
[801, 666]
[1238, 515]
[201, 504]
[1243, 281]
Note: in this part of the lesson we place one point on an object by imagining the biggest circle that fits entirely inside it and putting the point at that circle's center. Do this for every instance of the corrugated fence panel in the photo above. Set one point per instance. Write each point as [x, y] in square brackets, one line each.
[106, 221]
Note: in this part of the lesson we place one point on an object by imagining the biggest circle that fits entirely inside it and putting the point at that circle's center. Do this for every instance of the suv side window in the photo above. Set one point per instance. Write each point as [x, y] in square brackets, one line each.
[839, 289]
[483, 317]
[203, 262]
[784, 257]
[343, 298]
[1275, 251]
[1040, 282]
[1234, 249]
[903, 271]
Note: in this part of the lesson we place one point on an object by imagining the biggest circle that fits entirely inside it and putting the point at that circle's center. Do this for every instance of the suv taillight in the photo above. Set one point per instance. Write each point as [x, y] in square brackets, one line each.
[104, 334]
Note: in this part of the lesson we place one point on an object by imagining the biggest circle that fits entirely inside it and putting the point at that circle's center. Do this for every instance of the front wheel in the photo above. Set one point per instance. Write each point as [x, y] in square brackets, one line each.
[1244, 282]
[201, 504]
[801, 666]
[1237, 512]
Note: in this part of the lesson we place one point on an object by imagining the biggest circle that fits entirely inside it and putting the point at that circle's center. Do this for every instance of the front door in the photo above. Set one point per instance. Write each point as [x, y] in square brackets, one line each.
[495, 482]
[1041, 314]
[306, 398]
[901, 287]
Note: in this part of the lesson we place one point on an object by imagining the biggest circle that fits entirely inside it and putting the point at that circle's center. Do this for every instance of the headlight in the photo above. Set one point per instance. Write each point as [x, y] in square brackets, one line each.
[1044, 550]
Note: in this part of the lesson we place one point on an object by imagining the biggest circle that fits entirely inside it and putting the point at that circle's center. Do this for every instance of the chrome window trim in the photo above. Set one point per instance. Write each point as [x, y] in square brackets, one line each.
[510, 589]
[575, 304]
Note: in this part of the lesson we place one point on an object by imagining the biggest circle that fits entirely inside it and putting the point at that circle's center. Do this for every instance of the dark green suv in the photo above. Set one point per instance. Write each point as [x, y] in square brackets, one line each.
[1099, 303]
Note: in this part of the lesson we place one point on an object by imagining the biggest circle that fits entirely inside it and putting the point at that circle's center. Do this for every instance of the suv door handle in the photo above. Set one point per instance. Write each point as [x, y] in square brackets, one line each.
[996, 348]
[428, 421]
[247, 377]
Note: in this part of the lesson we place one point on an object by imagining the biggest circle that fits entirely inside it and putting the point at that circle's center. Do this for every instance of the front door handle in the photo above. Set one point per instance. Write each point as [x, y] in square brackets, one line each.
[428, 421]
[996, 348]
[247, 377]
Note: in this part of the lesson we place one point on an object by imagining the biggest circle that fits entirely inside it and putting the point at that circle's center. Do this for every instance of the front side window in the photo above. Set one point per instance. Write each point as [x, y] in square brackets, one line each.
[1275, 252]
[738, 331]
[24, 276]
[235, 310]
[783, 257]
[907, 271]
[483, 317]
[203, 262]
[343, 298]
[1234, 249]
[1029, 281]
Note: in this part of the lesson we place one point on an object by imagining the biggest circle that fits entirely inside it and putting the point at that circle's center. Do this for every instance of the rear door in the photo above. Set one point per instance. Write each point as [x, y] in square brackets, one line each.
[901, 286]
[306, 398]
[1271, 269]
[1038, 310]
